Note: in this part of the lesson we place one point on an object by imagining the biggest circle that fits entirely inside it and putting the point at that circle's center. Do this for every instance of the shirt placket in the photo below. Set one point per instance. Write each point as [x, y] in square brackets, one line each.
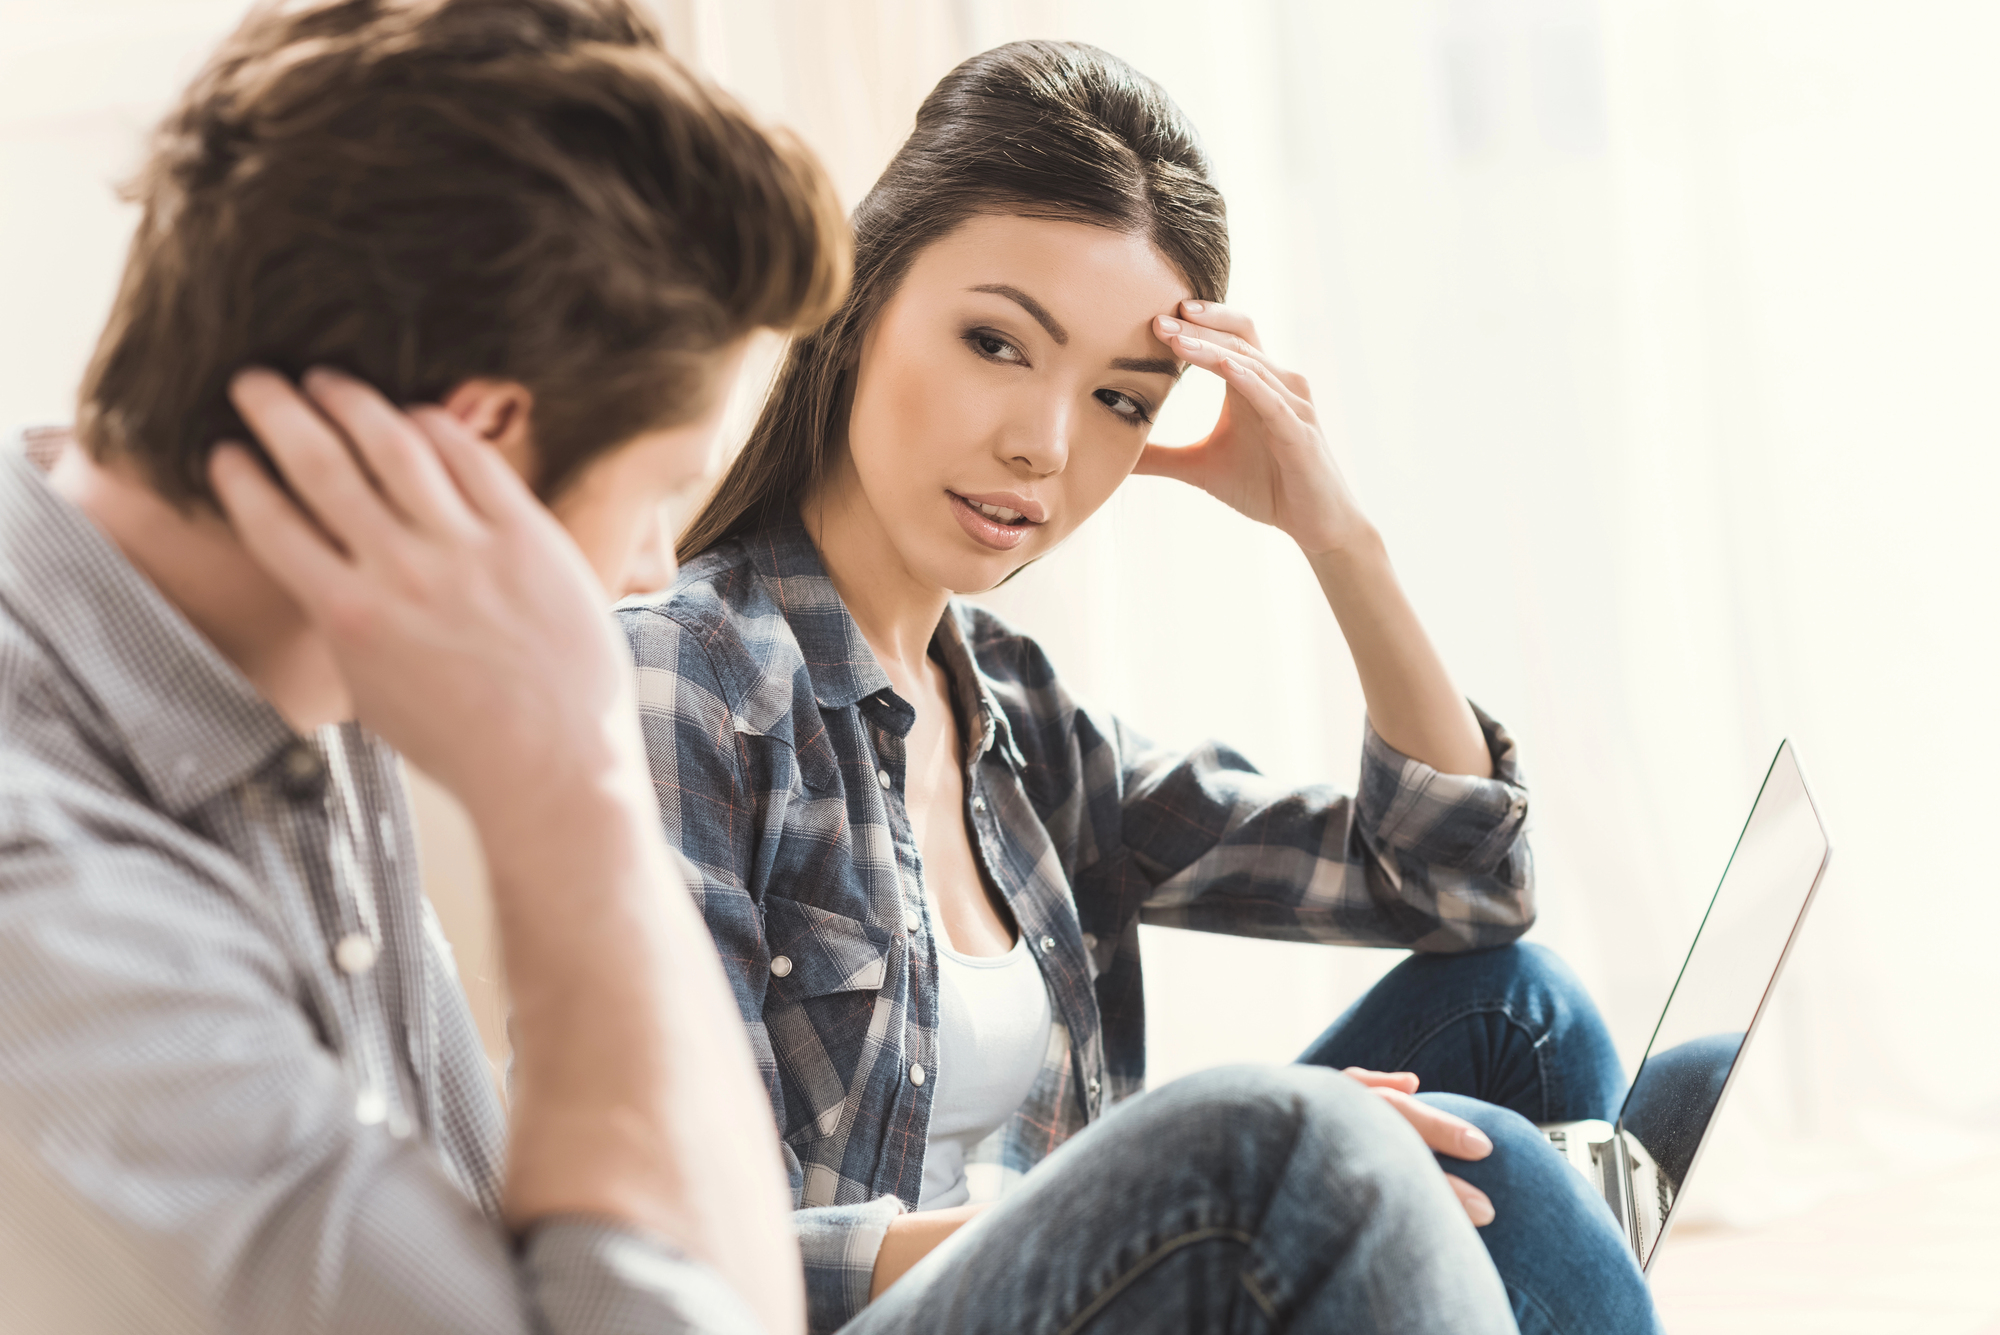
[918, 1058]
[323, 807]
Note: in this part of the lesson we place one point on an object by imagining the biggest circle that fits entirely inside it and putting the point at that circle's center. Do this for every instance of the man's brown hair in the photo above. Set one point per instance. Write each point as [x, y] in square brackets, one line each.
[422, 192]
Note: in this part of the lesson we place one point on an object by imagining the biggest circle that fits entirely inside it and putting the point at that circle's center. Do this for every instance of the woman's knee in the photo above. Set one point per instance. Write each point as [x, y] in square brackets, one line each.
[1270, 1122]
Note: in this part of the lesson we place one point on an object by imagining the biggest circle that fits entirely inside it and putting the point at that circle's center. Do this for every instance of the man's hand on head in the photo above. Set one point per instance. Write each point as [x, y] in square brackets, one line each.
[469, 628]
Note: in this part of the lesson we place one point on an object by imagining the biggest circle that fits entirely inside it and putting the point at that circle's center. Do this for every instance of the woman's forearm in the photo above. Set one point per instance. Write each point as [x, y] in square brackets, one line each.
[912, 1237]
[1412, 702]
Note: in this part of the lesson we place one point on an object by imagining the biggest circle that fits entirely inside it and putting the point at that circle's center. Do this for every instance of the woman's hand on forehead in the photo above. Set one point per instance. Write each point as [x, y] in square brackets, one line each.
[1267, 456]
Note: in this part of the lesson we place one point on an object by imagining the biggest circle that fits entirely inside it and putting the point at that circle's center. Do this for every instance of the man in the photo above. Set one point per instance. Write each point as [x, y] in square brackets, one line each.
[239, 1087]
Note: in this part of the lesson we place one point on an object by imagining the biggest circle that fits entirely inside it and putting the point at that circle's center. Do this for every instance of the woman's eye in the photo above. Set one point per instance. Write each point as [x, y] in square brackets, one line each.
[994, 348]
[1123, 404]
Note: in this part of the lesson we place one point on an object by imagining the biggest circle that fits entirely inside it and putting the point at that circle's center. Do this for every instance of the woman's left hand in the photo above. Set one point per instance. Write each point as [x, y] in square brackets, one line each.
[1267, 457]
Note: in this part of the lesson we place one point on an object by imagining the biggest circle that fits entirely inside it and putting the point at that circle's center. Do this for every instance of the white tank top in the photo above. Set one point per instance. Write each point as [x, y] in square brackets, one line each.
[993, 1032]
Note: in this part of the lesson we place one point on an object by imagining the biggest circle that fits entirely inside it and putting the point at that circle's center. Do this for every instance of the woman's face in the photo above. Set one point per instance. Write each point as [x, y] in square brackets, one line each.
[1005, 390]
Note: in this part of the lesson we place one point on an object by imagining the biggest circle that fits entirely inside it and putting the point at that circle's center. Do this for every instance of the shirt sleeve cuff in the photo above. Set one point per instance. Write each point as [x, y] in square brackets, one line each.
[840, 1244]
[1445, 820]
[593, 1277]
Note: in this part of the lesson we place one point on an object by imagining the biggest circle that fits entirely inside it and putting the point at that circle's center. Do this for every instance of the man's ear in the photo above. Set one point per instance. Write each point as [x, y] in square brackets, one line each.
[498, 411]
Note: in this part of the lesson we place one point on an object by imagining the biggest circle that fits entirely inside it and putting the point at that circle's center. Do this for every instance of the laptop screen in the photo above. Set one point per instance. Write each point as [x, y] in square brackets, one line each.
[1728, 975]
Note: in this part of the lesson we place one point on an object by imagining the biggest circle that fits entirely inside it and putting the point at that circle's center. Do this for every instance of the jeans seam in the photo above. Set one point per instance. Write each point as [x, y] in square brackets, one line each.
[1147, 1262]
[1482, 1008]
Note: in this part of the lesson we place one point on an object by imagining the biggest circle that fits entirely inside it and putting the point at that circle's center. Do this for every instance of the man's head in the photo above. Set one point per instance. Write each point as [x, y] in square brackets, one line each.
[435, 194]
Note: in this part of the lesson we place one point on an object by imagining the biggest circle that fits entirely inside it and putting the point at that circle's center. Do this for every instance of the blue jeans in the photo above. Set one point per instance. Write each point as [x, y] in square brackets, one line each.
[1505, 1039]
[1247, 1199]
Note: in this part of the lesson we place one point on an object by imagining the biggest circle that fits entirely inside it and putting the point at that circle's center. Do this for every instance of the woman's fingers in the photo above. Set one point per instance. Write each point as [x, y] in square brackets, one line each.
[1216, 356]
[317, 464]
[1223, 319]
[1478, 1205]
[404, 463]
[1441, 1131]
[1403, 1080]
[277, 533]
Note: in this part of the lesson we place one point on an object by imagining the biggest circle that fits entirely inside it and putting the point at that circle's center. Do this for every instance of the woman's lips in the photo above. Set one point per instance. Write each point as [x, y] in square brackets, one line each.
[985, 531]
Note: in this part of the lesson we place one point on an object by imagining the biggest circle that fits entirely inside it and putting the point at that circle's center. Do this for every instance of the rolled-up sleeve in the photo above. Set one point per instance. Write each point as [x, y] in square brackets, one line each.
[1415, 858]
[840, 1243]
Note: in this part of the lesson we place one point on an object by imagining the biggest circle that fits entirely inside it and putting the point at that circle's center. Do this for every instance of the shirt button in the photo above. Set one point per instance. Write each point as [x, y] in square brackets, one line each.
[371, 1107]
[1048, 944]
[300, 774]
[978, 803]
[913, 920]
[1089, 942]
[1094, 1087]
[917, 1074]
[882, 777]
[781, 965]
[355, 954]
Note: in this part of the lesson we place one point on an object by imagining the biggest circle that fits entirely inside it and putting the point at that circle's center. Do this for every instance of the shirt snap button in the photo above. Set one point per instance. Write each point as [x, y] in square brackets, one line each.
[781, 965]
[1048, 944]
[882, 777]
[912, 920]
[355, 954]
[978, 803]
[300, 774]
[917, 1075]
[371, 1107]
[1094, 1087]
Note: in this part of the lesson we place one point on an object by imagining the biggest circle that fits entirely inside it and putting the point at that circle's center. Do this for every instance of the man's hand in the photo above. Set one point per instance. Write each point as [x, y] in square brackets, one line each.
[1441, 1131]
[467, 624]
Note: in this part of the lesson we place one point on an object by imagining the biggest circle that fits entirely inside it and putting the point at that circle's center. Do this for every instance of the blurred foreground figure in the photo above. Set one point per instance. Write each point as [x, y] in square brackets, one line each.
[239, 1085]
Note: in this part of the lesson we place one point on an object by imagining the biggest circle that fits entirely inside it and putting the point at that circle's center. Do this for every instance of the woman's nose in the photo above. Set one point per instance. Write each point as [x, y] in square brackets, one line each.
[1042, 443]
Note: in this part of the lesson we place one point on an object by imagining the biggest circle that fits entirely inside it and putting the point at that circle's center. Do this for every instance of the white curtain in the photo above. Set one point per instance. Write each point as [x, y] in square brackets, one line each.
[1659, 336]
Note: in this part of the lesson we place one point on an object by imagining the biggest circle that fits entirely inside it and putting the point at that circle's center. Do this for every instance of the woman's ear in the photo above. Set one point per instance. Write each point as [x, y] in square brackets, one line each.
[498, 411]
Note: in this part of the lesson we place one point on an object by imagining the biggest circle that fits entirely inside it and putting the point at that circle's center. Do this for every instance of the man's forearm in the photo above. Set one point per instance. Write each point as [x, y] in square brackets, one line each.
[636, 1098]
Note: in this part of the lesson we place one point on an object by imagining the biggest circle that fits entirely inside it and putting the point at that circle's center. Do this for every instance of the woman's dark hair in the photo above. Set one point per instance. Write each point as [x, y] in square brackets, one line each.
[1038, 129]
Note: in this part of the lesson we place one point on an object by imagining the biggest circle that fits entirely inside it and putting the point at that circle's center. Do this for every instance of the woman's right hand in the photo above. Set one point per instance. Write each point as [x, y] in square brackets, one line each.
[1441, 1131]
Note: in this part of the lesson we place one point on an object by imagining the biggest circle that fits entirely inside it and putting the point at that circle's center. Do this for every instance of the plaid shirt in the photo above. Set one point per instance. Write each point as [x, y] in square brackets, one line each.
[240, 1088]
[778, 757]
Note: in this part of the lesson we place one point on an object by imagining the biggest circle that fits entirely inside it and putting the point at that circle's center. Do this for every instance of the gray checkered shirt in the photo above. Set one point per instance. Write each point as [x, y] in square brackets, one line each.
[778, 754]
[240, 1089]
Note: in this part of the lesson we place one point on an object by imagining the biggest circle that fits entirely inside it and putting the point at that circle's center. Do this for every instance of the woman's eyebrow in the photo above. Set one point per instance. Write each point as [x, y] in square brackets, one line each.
[1030, 305]
[1150, 365]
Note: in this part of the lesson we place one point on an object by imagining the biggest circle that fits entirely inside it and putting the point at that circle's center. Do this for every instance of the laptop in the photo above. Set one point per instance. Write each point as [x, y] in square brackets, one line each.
[1642, 1163]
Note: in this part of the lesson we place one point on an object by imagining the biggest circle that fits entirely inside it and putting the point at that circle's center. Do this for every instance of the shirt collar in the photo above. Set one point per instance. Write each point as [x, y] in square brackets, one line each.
[188, 722]
[973, 687]
[843, 667]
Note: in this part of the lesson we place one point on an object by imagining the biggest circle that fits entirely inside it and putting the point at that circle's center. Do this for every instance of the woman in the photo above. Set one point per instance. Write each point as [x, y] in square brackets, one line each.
[925, 863]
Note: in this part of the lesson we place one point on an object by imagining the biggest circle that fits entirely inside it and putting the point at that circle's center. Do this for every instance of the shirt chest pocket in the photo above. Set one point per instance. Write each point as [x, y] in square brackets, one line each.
[827, 973]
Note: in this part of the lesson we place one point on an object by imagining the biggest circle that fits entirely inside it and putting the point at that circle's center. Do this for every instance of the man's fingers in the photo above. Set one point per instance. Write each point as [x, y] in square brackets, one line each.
[399, 454]
[278, 535]
[1403, 1080]
[322, 470]
[1441, 1131]
[482, 476]
[1478, 1205]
